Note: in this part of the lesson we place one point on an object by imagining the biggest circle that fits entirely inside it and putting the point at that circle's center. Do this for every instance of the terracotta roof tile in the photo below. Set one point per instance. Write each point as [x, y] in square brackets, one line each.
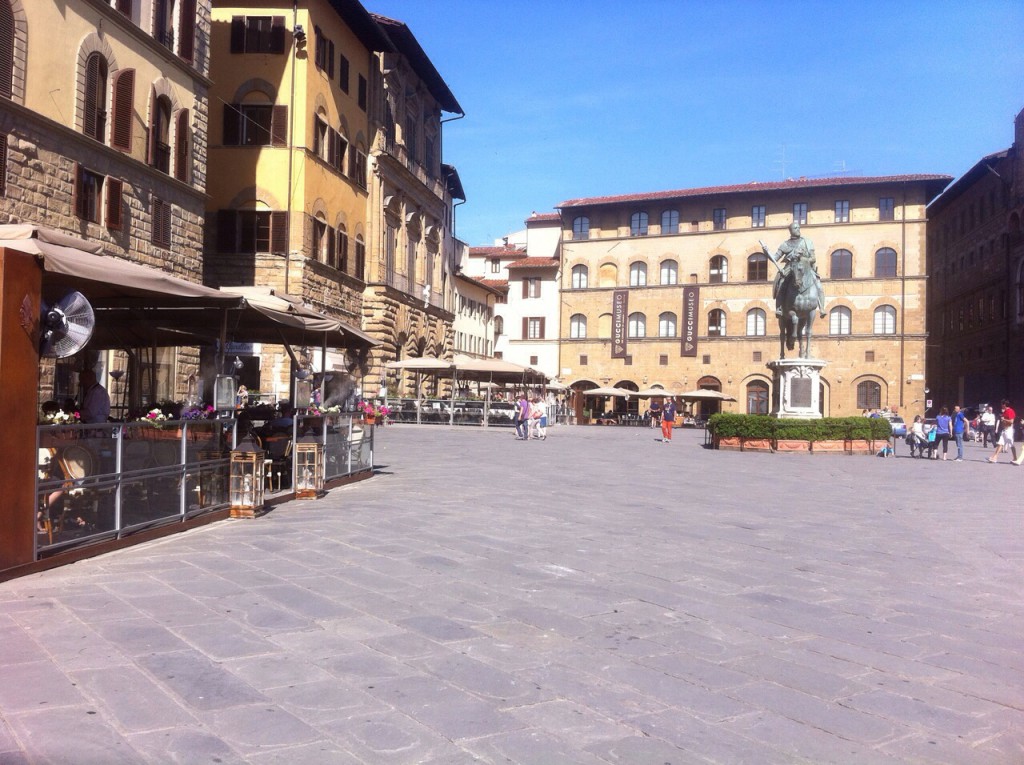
[799, 183]
[537, 217]
[535, 263]
[496, 284]
[491, 285]
[500, 251]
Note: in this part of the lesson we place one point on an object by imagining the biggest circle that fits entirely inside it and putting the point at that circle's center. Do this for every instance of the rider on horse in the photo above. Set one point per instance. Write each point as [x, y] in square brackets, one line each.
[794, 249]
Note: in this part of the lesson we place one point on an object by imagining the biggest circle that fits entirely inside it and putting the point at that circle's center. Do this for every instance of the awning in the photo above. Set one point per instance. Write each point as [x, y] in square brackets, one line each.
[139, 306]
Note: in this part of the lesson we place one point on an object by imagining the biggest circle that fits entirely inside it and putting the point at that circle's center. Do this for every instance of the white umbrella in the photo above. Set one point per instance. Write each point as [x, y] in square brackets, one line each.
[609, 392]
[422, 363]
[650, 392]
[706, 395]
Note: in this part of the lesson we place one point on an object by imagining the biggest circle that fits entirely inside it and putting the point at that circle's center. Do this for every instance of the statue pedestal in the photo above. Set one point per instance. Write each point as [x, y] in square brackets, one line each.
[797, 388]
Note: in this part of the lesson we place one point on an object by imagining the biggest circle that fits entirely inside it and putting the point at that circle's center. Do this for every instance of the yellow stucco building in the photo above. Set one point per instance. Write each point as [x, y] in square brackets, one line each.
[686, 274]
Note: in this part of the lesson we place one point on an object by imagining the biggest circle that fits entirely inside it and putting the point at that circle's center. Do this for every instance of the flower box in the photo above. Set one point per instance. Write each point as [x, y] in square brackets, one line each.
[791, 445]
[729, 443]
[859, 446]
[828, 447]
[756, 444]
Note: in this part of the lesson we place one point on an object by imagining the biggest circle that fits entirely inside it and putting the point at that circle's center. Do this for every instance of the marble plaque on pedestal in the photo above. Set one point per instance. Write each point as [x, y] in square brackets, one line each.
[797, 388]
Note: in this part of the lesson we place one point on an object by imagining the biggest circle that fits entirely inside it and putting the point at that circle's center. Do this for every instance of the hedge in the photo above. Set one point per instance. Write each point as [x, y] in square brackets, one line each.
[825, 429]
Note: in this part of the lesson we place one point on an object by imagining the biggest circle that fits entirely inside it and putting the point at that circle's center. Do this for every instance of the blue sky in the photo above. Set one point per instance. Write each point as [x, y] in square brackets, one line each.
[599, 97]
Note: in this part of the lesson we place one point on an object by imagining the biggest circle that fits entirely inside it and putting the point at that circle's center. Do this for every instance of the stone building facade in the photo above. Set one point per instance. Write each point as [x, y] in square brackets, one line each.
[289, 177]
[976, 283]
[679, 280]
[409, 300]
[103, 124]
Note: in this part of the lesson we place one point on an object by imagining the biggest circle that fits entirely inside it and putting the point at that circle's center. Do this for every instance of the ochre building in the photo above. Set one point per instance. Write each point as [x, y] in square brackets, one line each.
[680, 280]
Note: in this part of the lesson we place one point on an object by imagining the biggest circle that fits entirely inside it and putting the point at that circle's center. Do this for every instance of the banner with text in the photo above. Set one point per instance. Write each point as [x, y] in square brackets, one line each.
[691, 303]
[620, 323]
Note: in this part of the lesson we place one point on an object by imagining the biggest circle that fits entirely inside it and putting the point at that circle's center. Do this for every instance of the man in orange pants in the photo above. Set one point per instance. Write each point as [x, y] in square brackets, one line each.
[668, 420]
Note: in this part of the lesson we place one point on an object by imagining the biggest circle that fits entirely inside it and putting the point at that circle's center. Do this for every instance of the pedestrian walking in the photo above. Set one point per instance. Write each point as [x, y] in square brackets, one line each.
[987, 426]
[1005, 441]
[943, 430]
[522, 417]
[961, 428]
[668, 420]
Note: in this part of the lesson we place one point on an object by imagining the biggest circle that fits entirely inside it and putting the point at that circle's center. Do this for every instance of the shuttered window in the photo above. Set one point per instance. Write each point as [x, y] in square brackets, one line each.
[115, 203]
[3, 165]
[181, 135]
[88, 192]
[187, 28]
[251, 231]
[94, 103]
[123, 110]
[257, 34]
[6, 49]
[161, 223]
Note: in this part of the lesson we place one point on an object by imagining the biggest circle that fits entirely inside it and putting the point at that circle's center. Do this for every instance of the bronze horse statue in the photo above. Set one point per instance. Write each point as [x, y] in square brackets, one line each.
[800, 301]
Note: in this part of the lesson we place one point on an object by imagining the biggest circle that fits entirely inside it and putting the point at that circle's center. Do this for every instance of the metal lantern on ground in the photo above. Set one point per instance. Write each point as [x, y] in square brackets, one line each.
[309, 470]
[246, 479]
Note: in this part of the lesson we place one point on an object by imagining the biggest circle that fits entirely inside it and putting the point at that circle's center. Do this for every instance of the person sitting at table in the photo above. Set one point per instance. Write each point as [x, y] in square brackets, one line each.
[285, 419]
[95, 402]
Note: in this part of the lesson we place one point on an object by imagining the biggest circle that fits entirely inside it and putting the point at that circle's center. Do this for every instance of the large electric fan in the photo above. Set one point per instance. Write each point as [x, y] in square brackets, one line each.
[66, 326]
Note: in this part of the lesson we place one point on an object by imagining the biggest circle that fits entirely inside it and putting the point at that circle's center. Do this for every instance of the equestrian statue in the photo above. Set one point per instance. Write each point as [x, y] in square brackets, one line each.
[797, 291]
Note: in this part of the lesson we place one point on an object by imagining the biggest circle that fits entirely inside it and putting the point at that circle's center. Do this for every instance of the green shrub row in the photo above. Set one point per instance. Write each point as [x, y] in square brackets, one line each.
[826, 429]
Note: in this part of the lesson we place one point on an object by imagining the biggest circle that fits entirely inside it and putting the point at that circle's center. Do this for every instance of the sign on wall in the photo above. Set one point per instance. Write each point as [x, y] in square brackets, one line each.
[620, 323]
[691, 303]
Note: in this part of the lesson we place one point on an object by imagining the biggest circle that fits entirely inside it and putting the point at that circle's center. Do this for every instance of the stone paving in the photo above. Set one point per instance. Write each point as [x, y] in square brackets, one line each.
[599, 597]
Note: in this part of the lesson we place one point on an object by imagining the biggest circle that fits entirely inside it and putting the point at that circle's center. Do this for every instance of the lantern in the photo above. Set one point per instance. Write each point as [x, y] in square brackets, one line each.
[246, 483]
[309, 470]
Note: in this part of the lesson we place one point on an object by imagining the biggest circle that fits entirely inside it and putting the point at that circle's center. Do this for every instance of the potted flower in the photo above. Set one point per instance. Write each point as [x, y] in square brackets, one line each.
[60, 417]
[371, 410]
[198, 413]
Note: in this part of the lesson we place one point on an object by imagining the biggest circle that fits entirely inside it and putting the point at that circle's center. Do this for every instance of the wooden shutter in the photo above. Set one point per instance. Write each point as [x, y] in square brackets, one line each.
[541, 333]
[89, 103]
[6, 50]
[3, 165]
[77, 198]
[278, 232]
[115, 203]
[232, 123]
[279, 126]
[161, 223]
[526, 328]
[123, 110]
[330, 59]
[238, 34]
[330, 248]
[181, 134]
[277, 35]
[343, 77]
[187, 29]
[526, 288]
[227, 224]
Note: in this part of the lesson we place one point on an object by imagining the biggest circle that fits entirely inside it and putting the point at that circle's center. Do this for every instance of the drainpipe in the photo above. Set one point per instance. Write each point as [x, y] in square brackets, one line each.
[291, 146]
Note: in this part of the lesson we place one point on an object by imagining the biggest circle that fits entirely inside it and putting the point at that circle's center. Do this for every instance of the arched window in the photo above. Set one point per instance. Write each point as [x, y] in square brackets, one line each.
[6, 49]
[360, 257]
[670, 222]
[159, 138]
[885, 320]
[869, 395]
[841, 266]
[499, 327]
[580, 277]
[581, 227]
[719, 270]
[667, 324]
[839, 321]
[638, 224]
[94, 99]
[577, 326]
[181, 145]
[342, 248]
[669, 272]
[757, 267]
[716, 323]
[757, 397]
[885, 263]
[755, 322]
[638, 274]
[322, 240]
[637, 325]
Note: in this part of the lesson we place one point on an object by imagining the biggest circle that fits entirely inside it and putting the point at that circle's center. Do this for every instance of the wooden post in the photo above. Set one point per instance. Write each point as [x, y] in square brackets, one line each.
[20, 289]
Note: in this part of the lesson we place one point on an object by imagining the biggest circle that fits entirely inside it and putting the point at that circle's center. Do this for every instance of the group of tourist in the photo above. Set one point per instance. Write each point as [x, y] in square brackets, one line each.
[957, 426]
[531, 418]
